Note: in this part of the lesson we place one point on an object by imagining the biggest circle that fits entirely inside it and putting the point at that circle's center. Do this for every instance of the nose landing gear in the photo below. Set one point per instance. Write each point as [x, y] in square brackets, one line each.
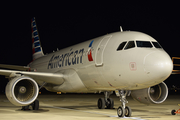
[123, 110]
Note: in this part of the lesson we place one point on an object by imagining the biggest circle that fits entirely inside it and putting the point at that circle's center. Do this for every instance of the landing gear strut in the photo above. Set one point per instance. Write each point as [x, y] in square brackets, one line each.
[123, 110]
[108, 102]
[34, 106]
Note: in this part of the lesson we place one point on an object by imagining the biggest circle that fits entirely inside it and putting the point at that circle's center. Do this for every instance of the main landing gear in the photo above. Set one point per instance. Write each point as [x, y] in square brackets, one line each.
[33, 106]
[123, 110]
[106, 102]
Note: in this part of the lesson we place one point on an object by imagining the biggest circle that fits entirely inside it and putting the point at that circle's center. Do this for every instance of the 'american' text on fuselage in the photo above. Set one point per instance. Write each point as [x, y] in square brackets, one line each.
[71, 58]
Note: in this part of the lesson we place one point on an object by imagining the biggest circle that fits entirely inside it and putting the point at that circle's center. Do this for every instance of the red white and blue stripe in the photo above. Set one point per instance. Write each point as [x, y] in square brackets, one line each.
[36, 46]
[90, 51]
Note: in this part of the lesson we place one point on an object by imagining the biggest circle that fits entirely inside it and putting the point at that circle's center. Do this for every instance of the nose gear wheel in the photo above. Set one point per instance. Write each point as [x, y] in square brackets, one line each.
[123, 110]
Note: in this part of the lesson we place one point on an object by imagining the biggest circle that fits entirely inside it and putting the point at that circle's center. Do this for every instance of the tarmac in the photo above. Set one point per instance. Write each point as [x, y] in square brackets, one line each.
[84, 107]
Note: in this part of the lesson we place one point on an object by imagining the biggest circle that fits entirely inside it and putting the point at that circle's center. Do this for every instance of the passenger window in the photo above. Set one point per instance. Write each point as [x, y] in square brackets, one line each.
[121, 46]
[156, 45]
[130, 45]
[144, 44]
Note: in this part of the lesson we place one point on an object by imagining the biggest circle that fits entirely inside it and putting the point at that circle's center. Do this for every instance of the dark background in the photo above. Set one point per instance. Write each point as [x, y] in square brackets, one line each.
[63, 24]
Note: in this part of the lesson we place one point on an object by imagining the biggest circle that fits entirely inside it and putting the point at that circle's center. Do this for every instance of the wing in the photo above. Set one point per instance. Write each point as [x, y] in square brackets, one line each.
[14, 67]
[54, 78]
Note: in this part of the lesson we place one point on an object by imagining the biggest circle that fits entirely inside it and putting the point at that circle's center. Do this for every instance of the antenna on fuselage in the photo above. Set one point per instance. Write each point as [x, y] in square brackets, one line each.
[121, 29]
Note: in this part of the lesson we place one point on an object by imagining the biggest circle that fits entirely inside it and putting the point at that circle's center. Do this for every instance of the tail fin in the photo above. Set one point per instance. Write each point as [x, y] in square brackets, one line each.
[36, 45]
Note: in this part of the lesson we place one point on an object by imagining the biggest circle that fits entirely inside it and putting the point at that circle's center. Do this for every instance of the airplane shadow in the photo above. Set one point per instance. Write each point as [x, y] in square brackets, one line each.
[152, 112]
[18, 109]
[77, 107]
[45, 108]
[34, 111]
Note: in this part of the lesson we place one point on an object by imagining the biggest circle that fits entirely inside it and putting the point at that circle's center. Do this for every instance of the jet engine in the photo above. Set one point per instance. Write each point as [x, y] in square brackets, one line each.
[155, 94]
[22, 91]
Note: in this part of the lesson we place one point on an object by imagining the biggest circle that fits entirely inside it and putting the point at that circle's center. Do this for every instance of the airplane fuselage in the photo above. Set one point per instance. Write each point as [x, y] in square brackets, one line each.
[100, 65]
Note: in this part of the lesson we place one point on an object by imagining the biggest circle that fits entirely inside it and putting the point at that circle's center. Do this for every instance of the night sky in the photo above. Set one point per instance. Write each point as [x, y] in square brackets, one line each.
[64, 24]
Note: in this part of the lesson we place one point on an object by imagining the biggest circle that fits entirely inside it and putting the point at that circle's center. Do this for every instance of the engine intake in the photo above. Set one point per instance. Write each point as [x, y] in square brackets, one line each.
[155, 94]
[22, 91]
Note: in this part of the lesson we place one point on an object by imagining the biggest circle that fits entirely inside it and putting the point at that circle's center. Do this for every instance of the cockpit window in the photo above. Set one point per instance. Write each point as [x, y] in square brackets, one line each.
[129, 45]
[146, 44]
[121, 46]
[156, 45]
[140, 44]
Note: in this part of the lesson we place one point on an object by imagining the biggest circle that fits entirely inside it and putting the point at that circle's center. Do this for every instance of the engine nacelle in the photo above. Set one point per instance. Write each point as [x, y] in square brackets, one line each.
[22, 91]
[155, 94]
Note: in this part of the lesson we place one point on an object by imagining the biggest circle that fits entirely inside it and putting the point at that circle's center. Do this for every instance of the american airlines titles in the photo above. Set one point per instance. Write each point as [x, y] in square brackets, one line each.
[71, 58]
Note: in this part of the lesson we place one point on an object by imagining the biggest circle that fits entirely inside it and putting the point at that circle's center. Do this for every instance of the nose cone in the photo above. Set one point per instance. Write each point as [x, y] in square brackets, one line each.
[158, 65]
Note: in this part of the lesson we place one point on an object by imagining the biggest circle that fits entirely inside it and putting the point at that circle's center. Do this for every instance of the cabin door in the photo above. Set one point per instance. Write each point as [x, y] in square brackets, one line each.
[100, 50]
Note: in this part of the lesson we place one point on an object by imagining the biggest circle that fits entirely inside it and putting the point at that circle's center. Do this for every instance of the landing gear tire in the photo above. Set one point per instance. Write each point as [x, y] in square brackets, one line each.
[110, 104]
[128, 111]
[101, 103]
[173, 112]
[33, 106]
[120, 111]
[123, 110]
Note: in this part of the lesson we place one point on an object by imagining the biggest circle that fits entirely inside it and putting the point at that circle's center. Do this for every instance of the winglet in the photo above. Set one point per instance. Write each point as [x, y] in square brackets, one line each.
[36, 45]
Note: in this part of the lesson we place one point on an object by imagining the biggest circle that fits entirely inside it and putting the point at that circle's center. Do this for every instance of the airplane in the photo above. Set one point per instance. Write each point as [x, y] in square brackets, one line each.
[125, 62]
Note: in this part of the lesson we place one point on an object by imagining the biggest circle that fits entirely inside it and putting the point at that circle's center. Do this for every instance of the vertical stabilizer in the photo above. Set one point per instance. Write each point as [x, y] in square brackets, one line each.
[36, 45]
